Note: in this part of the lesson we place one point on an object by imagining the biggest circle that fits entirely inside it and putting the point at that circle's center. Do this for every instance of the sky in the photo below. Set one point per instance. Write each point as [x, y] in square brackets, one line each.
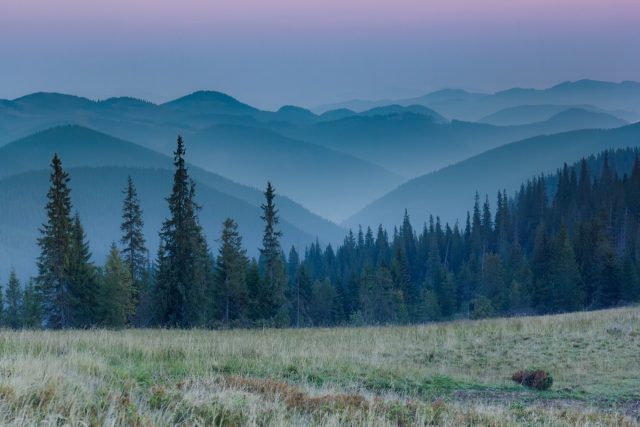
[270, 53]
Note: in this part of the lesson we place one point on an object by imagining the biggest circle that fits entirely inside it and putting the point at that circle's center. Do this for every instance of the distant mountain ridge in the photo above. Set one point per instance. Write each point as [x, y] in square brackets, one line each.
[337, 176]
[448, 193]
[528, 114]
[334, 163]
[412, 144]
[462, 105]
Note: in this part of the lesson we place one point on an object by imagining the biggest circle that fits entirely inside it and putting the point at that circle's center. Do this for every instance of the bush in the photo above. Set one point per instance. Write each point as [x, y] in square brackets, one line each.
[539, 380]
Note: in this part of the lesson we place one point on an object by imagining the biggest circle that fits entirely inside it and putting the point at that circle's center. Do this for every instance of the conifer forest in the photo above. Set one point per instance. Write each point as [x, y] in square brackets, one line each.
[565, 242]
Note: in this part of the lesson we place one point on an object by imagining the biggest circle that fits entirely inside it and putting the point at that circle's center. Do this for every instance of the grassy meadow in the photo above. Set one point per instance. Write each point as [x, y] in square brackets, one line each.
[448, 374]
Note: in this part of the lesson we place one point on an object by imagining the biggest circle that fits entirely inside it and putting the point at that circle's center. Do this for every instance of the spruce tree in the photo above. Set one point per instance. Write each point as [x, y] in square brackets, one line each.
[230, 273]
[56, 249]
[255, 291]
[82, 277]
[13, 300]
[271, 259]
[301, 295]
[116, 296]
[32, 303]
[184, 263]
[322, 303]
[564, 274]
[541, 269]
[134, 250]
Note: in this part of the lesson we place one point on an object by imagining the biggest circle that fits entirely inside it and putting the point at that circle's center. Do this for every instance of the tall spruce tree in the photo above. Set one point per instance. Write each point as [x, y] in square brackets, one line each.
[231, 274]
[56, 249]
[134, 250]
[271, 259]
[13, 300]
[184, 262]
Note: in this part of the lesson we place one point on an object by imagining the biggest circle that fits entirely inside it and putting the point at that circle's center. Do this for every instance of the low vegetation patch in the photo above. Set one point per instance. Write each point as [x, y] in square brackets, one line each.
[450, 374]
[538, 380]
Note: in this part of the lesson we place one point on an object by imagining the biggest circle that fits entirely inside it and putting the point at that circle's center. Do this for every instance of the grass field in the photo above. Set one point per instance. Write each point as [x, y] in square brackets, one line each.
[441, 374]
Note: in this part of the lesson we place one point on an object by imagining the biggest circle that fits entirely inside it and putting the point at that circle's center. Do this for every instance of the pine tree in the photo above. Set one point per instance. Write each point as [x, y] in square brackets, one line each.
[255, 291]
[56, 251]
[271, 258]
[182, 281]
[302, 295]
[630, 291]
[322, 300]
[116, 297]
[386, 300]
[401, 276]
[541, 268]
[82, 278]
[13, 300]
[564, 274]
[134, 251]
[230, 273]
[32, 303]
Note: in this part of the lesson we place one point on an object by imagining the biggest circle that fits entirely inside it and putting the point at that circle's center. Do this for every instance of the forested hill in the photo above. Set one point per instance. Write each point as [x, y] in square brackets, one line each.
[446, 192]
[96, 194]
[578, 249]
[78, 146]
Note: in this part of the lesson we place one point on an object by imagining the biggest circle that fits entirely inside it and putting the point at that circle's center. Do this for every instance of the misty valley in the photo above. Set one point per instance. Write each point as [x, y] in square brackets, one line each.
[458, 258]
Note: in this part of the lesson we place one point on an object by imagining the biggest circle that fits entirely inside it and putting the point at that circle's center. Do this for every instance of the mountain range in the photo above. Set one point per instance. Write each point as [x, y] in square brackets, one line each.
[349, 166]
[462, 105]
[449, 192]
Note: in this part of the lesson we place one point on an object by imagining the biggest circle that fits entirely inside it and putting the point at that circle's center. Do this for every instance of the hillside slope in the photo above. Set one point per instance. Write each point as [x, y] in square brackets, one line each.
[244, 142]
[332, 184]
[78, 146]
[413, 144]
[527, 114]
[449, 192]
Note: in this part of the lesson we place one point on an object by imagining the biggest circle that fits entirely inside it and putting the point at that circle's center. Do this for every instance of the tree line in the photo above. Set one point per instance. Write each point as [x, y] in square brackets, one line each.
[566, 242]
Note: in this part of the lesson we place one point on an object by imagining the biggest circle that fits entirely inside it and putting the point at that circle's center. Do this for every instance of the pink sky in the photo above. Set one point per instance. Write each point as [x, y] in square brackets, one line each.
[310, 52]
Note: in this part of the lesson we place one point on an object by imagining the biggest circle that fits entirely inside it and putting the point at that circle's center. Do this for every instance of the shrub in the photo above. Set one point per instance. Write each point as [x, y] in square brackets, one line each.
[539, 380]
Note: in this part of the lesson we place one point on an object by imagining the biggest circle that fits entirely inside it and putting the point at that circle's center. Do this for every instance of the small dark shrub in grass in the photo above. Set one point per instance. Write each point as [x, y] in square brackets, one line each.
[538, 380]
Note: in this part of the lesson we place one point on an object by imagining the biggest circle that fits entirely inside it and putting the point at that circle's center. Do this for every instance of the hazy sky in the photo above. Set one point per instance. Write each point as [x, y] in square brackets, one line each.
[308, 52]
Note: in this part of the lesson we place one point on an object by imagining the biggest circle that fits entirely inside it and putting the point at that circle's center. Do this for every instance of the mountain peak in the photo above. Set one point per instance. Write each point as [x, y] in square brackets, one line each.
[208, 101]
[53, 100]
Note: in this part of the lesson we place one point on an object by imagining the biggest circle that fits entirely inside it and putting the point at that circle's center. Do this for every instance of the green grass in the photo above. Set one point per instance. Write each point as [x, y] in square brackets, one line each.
[441, 374]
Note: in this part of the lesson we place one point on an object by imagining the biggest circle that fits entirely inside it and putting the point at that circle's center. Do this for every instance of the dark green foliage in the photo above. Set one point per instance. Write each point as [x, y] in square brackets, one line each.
[32, 302]
[117, 294]
[134, 252]
[230, 275]
[275, 279]
[565, 242]
[184, 262]
[83, 280]
[13, 299]
[56, 248]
